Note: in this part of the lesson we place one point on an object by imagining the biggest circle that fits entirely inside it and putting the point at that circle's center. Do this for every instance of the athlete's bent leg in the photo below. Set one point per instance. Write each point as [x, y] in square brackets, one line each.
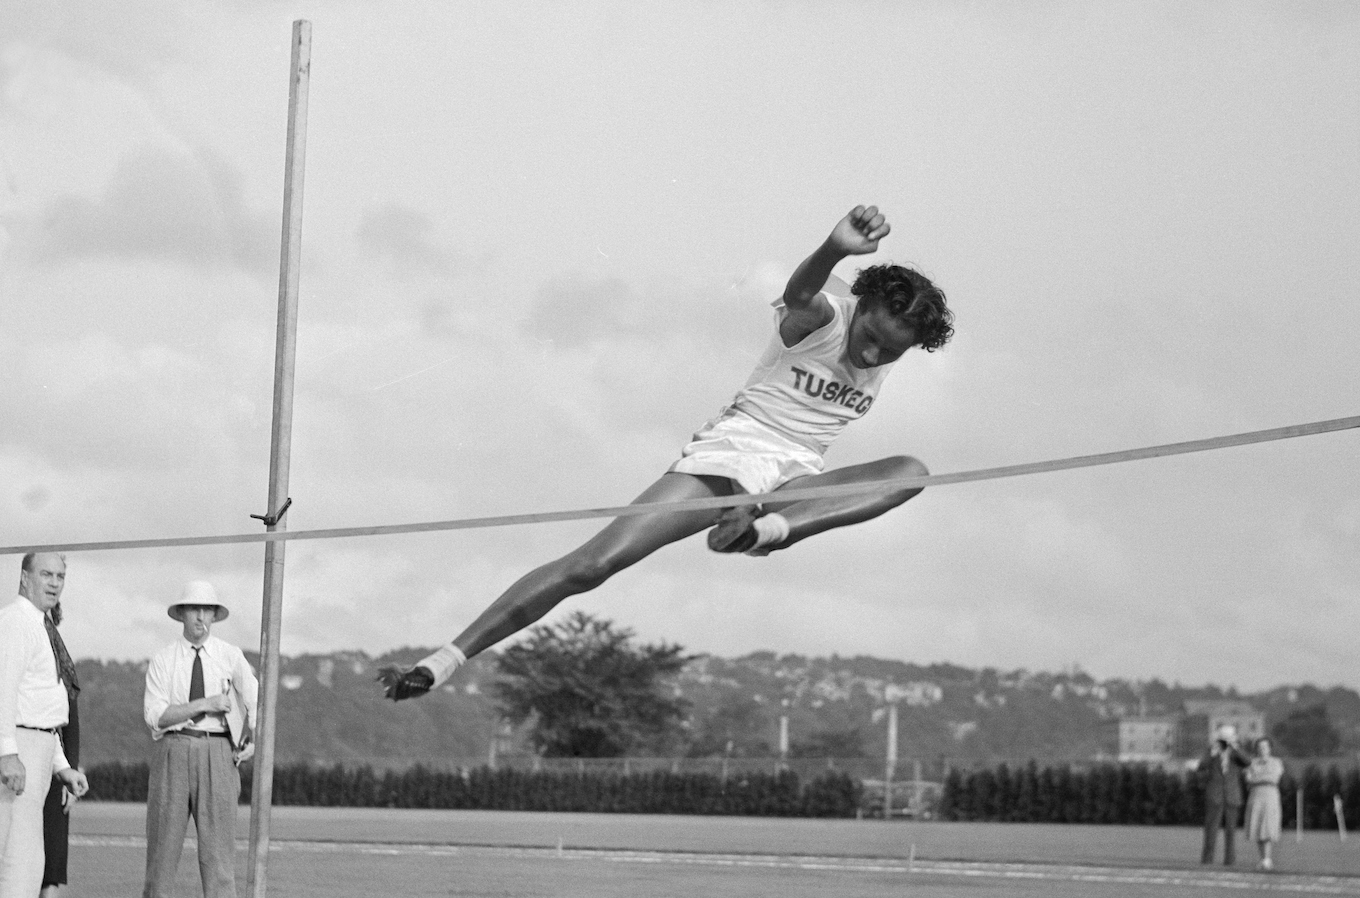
[798, 520]
[812, 516]
[621, 544]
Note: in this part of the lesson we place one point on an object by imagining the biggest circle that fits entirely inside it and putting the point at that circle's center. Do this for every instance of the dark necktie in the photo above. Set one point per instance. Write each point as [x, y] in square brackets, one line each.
[196, 681]
[66, 668]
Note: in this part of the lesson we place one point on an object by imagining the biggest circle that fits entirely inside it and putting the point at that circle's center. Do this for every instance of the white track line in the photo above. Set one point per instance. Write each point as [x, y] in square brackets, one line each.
[1214, 879]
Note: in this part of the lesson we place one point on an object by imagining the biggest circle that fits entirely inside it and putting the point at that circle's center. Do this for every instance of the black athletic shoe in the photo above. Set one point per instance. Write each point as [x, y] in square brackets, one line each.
[399, 684]
[735, 530]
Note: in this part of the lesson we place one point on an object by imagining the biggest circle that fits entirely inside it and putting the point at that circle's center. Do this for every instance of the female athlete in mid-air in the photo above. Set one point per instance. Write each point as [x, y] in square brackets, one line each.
[822, 370]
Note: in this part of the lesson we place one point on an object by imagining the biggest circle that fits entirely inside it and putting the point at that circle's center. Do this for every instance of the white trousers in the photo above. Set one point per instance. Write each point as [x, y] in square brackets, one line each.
[21, 818]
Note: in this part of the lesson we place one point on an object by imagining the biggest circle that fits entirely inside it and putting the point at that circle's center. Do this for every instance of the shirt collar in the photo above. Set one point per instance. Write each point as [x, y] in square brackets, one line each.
[187, 646]
[28, 607]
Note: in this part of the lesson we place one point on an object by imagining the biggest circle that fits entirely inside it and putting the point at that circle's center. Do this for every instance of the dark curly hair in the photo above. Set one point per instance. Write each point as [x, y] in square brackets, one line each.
[910, 296]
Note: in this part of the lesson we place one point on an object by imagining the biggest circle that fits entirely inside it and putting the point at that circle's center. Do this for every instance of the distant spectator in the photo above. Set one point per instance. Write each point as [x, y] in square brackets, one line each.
[1263, 801]
[60, 800]
[1220, 776]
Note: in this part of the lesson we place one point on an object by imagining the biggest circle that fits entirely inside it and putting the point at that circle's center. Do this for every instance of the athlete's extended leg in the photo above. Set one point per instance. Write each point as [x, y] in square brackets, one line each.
[624, 542]
[737, 530]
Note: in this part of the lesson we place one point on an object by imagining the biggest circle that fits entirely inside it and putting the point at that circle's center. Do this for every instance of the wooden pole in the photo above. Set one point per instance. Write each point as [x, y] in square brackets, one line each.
[915, 799]
[1298, 814]
[890, 767]
[271, 619]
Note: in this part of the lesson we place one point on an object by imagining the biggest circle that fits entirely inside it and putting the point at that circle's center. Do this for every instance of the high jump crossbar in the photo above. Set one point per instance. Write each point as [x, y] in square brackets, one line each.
[786, 495]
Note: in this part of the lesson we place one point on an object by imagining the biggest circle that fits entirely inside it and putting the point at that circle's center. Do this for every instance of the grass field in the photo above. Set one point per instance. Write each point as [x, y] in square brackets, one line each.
[344, 852]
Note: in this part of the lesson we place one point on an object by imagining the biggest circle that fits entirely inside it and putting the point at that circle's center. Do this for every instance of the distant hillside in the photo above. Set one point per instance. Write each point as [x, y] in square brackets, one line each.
[330, 709]
[956, 712]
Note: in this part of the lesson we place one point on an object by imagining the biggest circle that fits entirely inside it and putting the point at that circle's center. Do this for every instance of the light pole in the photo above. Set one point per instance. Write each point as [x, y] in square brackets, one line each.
[784, 735]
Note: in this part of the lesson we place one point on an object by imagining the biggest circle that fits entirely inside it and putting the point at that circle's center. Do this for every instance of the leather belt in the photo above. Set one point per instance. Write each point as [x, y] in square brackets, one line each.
[201, 734]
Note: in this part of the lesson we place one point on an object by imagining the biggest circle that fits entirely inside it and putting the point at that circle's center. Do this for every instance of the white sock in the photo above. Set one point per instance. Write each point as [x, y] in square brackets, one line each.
[443, 663]
[771, 529]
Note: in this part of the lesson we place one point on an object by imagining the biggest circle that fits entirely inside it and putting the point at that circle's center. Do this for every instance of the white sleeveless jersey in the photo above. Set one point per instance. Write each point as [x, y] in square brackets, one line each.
[810, 391]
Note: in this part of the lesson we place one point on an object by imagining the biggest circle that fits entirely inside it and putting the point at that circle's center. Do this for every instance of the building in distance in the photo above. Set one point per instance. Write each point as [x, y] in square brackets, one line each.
[1156, 739]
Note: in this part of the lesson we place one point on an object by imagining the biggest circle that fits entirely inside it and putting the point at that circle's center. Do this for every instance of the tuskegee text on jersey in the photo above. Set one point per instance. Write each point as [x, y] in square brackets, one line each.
[831, 391]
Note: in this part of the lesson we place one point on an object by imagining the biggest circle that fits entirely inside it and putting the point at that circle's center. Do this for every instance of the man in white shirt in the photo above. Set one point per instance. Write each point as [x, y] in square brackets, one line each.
[200, 705]
[33, 706]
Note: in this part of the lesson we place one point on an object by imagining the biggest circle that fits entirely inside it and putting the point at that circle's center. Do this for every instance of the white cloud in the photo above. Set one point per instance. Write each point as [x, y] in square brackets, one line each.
[158, 205]
[134, 40]
[405, 238]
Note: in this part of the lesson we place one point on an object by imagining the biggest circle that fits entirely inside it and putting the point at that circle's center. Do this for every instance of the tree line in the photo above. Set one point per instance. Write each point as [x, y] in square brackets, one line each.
[757, 794]
[1128, 794]
[1099, 794]
[583, 689]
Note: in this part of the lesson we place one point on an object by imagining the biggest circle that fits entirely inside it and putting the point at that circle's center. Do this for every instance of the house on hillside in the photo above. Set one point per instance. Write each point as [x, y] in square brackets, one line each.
[1203, 716]
[1144, 739]
[1147, 739]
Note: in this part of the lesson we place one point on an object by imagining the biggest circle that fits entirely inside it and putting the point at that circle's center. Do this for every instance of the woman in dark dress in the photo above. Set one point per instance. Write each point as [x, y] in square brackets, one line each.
[56, 819]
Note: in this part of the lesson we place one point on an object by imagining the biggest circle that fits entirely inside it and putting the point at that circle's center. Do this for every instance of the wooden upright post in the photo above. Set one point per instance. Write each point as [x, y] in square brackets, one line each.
[1298, 814]
[271, 621]
[890, 765]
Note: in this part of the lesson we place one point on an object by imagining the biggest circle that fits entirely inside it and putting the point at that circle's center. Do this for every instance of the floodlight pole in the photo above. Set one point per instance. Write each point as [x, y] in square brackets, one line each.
[271, 620]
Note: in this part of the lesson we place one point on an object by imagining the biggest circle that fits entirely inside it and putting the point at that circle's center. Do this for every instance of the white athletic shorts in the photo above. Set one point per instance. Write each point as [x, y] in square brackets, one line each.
[755, 456]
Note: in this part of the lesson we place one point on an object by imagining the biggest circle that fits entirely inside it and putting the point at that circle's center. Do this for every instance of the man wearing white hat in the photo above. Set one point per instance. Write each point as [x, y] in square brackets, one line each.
[200, 706]
[1220, 775]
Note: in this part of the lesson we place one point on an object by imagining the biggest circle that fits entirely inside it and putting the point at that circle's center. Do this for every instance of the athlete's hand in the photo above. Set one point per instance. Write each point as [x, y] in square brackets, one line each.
[400, 684]
[859, 231]
[12, 773]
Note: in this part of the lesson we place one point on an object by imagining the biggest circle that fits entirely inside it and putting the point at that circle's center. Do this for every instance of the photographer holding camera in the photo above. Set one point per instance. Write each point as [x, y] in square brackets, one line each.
[1220, 776]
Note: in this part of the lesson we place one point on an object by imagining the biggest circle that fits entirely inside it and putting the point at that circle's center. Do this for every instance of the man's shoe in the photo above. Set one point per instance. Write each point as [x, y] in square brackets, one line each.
[401, 684]
[735, 530]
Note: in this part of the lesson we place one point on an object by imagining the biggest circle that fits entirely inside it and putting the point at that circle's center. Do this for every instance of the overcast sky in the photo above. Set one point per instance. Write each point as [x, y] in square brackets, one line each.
[539, 244]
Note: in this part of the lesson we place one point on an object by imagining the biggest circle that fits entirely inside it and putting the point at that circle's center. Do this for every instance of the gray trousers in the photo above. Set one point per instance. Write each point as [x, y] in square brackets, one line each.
[1216, 815]
[196, 778]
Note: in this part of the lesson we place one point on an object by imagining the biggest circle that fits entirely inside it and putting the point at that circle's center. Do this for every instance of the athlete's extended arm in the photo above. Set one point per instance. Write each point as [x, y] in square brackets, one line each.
[855, 234]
